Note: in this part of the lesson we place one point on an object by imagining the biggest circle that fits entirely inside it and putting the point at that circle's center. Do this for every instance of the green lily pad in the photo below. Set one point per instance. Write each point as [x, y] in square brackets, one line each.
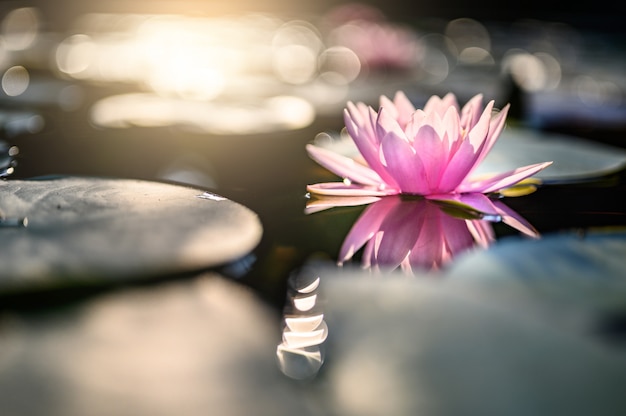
[86, 230]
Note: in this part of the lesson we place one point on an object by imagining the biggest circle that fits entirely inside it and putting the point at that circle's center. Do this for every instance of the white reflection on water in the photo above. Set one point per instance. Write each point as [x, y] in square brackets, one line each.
[299, 355]
[151, 110]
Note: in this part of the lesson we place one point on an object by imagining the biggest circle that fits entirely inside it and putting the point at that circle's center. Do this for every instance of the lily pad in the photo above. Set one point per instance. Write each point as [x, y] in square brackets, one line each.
[195, 347]
[574, 158]
[86, 230]
[526, 327]
[557, 259]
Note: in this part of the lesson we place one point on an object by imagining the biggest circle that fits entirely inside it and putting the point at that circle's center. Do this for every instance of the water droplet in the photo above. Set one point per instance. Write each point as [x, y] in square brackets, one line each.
[211, 196]
[347, 182]
[491, 217]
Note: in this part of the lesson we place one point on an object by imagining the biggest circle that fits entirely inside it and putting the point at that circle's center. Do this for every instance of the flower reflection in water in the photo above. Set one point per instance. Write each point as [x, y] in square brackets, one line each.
[408, 232]
[415, 233]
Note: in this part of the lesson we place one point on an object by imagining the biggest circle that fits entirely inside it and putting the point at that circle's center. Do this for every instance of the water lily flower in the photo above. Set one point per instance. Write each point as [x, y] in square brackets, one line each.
[419, 234]
[430, 152]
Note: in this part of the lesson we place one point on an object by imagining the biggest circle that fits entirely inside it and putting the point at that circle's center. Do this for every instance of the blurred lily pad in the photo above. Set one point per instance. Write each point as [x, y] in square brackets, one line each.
[525, 327]
[195, 347]
[95, 230]
[566, 256]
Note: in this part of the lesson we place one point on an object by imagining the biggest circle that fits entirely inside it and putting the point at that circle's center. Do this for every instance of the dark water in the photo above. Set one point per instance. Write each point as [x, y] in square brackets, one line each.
[268, 171]
[515, 320]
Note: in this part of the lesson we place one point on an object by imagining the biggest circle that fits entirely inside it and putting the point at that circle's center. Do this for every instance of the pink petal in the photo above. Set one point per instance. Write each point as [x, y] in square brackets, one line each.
[479, 132]
[389, 105]
[360, 123]
[458, 237]
[483, 141]
[433, 154]
[433, 104]
[503, 180]
[440, 105]
[344, 167]
[482, 231]
[452, 129]
[365, 227]
[369, 250]
[404, 164]
[400, 230]
[404, 106]
[418, 119]
[428, 249]
[358, 112]
[401, 108]
[385, 123]
[458, 167]
[361, 131]
[341, 189]
[495, 128]
[470, 114]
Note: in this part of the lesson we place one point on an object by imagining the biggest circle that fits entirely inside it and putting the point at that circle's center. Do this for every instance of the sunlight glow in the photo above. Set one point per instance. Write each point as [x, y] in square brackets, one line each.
[152, 110]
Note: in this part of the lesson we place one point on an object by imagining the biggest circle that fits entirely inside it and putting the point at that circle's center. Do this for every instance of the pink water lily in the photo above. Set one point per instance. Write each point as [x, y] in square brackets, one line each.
[420, 234]
[430, 152]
